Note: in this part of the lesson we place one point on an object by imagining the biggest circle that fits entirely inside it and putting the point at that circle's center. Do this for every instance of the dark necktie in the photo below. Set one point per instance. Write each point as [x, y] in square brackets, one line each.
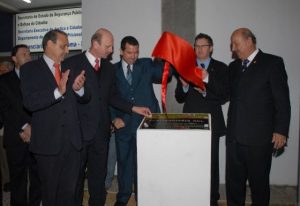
[57, 73]
[129, 74]
[245, 65]
[202, 65]
[97, 64]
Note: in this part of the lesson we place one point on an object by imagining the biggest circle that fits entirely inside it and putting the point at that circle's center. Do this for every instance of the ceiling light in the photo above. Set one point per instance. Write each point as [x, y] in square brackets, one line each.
[27, 1]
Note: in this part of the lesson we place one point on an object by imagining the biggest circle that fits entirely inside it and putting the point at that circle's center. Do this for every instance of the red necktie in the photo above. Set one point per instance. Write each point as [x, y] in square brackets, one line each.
[57, 73]
[96, 67]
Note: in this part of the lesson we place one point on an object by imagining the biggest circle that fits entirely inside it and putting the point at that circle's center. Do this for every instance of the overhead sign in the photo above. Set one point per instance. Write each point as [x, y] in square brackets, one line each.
[31, 27]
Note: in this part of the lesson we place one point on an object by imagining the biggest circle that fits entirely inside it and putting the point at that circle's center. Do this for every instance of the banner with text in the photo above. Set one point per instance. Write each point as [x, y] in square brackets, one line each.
[31, 27]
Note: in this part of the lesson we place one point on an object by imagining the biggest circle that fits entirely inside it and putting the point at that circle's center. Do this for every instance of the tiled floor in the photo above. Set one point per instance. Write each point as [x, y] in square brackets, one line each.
[280, 196]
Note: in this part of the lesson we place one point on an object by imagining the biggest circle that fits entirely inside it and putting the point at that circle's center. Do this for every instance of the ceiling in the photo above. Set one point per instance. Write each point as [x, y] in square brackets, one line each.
[18, 6]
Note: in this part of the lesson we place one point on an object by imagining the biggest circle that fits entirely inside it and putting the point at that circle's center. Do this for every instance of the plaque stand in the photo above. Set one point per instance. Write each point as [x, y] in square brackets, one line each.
[173, 157]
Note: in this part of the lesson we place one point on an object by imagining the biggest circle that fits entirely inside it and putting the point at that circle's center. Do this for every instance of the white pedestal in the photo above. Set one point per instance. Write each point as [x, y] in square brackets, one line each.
[173, 165]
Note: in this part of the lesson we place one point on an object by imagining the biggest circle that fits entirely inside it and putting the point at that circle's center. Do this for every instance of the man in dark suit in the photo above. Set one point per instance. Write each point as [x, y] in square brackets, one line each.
[17, 132]
[134, 79]
[258, 119]
[56, 139]
[208, 101]
[95, 116]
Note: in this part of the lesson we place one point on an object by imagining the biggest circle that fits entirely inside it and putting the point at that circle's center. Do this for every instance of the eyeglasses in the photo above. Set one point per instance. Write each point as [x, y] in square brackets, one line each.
[201, 46]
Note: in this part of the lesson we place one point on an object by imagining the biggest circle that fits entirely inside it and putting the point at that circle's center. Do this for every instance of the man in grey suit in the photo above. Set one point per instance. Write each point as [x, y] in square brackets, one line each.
[258, 118]
[134, 78]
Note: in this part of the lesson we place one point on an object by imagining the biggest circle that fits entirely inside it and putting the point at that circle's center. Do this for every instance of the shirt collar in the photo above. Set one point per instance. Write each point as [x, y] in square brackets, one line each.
[48, 61]
[205, 62]
[17, 72]
[124, 66]
[252, 56]
[91, 58]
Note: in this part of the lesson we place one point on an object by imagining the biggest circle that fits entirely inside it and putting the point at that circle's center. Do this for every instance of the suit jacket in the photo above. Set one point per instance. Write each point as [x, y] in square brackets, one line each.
[14, 115]
[217, 93]
[52, 119]
[95, 116]
[145, 72]
[259, 100]
[1, 121]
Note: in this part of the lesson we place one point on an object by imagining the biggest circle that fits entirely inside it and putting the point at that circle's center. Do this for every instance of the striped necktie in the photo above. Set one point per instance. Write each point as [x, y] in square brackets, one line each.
[129, 74]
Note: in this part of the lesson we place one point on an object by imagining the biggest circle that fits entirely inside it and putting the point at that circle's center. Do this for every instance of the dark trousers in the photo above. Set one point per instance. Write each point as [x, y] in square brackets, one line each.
[94, 159]
[23, 172]
[215, 179]
[127, 167]
[252, 163]
[59, 174]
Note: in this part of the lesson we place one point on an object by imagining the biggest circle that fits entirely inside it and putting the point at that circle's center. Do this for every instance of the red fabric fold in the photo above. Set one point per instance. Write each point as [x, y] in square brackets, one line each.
[181, 55]
[164, 85]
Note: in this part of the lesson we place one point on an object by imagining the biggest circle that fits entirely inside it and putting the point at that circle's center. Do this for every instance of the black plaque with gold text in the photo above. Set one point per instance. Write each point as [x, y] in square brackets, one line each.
[176, 121]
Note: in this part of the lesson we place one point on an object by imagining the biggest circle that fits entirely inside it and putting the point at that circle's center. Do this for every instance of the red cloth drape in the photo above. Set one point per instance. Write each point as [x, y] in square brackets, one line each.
[178, 52]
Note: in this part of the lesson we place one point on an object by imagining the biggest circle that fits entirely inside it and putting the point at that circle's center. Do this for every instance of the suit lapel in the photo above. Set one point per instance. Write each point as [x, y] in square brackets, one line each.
[211, 65]
[247, 77]
[120, 74]
[136, 74]
[256, 60]
[45, 69]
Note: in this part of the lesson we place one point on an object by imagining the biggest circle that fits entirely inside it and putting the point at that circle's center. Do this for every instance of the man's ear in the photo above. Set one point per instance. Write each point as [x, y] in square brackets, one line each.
[14, 58]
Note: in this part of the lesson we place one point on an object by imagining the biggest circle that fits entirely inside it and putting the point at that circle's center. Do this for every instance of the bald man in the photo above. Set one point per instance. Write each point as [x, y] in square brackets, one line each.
[95, 116]
[258, 119]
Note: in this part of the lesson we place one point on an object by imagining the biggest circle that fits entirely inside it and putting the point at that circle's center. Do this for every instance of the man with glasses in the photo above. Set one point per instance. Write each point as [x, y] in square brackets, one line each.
[210, 100]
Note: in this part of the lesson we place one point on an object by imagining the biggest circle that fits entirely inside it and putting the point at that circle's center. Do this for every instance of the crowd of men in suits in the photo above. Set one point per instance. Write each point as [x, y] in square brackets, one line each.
[58, 113]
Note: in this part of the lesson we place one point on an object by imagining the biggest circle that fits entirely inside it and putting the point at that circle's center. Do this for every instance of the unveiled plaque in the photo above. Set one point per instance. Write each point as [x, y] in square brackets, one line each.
[173, 160]
[177, 121]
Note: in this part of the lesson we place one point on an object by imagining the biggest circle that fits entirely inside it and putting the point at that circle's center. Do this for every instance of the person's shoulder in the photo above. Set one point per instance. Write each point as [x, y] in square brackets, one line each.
[106, 66]
[31, 64]
[219, 63]
[74, 58]
[7, 75]
[31, 67]
[144, 60]
[269, 56]
[117, 63]
[234, 63]
[106, 62]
